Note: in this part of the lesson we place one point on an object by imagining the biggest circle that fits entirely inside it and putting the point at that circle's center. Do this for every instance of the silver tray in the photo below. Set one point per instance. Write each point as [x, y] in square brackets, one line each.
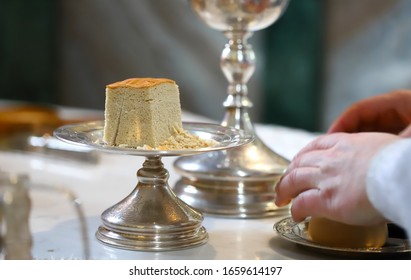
[298, 233]
[91, 135]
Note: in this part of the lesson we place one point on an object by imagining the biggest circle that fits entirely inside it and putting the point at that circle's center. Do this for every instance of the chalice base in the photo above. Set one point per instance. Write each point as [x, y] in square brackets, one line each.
[223, 198]
[236, 183]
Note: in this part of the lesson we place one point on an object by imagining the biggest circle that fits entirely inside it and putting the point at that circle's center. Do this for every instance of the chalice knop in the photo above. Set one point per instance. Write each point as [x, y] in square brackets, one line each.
[239, 182]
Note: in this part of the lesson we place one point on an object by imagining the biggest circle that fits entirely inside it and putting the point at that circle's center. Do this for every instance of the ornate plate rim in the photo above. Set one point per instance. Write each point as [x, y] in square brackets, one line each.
[83, 133]
[297, 233]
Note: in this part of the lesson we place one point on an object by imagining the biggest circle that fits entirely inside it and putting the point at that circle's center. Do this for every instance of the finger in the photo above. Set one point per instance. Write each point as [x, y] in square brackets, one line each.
[391, 121]
[295, 182]
[309, 203]
[358, 114]
[347, 122]
[304, 171]
[362, 113]
[384, 113]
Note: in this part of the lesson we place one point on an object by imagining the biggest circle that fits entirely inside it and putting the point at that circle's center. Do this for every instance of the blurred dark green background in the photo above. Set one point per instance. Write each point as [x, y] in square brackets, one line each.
[29, 37]
[293, 73]
[28, 46]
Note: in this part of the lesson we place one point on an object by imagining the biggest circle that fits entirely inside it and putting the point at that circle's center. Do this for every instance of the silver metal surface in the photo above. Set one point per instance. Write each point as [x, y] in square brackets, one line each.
[152, 217]
[90, 134]
[239, 182]
[15, 209]
[77, 204]
[15, 205]
[298, 233]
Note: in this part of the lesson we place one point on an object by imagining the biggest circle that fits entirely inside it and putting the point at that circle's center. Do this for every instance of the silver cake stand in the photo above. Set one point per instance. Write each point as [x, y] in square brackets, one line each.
[240, 182]
[151, 217]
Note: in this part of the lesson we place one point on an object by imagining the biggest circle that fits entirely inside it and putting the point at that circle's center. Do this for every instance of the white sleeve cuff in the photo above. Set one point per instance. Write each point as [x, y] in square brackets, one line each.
[389, 183]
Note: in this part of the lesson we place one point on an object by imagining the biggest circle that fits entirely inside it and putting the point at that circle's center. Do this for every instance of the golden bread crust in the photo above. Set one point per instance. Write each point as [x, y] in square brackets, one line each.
[140, 83]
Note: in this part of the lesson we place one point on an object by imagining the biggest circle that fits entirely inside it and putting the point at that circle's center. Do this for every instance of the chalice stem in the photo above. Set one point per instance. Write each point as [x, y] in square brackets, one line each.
[238, 65]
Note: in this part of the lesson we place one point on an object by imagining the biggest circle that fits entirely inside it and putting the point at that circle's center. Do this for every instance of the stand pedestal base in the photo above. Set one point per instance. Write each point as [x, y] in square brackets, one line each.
[152, 241]
[151, 217]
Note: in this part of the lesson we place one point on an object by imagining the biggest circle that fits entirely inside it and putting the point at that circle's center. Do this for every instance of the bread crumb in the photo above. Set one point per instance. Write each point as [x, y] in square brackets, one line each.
[180, 140]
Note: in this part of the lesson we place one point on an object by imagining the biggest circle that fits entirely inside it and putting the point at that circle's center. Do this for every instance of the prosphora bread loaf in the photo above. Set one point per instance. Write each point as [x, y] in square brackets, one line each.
[145, 113]
[335, 234]
[141, 111]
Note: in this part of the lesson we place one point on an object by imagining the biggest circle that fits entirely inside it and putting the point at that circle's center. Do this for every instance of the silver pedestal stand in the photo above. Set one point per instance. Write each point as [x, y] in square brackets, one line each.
[151, 217]
[240, 182]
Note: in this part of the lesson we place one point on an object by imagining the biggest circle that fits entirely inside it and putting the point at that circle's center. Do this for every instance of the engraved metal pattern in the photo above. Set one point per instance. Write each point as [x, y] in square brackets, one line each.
[298, 233]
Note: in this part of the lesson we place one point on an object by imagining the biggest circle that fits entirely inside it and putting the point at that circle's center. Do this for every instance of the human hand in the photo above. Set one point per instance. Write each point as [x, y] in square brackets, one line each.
[390, 113]
[327, 178]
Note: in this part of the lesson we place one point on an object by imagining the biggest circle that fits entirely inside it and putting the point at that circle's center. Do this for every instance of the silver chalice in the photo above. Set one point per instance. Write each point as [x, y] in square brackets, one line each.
[239, 182]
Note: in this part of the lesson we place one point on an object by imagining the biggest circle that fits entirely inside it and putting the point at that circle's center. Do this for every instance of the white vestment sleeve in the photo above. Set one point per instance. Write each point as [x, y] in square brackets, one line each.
[389, 183]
